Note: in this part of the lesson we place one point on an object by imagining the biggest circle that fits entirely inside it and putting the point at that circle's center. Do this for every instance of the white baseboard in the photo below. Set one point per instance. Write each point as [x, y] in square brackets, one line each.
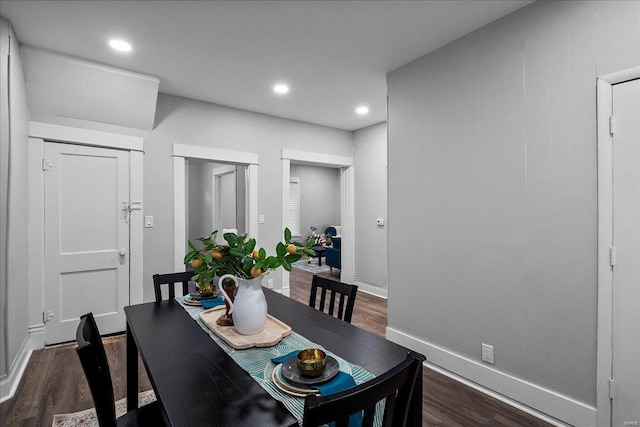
[9, 384]
[284, 291]
[368, 288]
[36, 336]
[548, 405]
[33, 341]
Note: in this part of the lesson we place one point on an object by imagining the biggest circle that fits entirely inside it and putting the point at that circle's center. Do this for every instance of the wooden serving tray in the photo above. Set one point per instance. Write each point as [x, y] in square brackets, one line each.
[273, 332]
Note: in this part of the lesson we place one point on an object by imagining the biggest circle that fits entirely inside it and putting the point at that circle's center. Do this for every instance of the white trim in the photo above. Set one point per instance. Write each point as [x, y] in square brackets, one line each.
[36, 336]
[35, 274]
[79, 136]
[536, 400]
[9, 384]
[605, 241]
[179, 212]
[347, 274]
[219, 154]
[370, 289]
[286, 180]
[317, 159]
[604, 366]
[38, 134]
[251, 205]
[181, 152]
[347, 254]
[621, 76]
[136, 226]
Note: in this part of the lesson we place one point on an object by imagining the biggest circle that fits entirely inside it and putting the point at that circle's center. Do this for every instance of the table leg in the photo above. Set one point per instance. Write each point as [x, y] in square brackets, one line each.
[415, 406]
[319, 259]
[132, 371]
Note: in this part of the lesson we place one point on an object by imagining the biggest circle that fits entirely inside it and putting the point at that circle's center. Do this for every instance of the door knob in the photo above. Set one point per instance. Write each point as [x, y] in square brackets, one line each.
[123, 254]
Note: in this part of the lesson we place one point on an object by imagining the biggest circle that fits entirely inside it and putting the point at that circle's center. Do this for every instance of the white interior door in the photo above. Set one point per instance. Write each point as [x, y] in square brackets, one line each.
[625, 404]
[86, 265]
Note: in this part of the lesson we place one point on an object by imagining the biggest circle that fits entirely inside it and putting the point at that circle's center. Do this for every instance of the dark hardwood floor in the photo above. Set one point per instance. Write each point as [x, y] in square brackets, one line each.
[54, 382]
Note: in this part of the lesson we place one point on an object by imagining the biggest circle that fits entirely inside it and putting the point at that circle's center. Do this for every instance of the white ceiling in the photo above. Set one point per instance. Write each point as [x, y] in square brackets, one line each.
[333, 54]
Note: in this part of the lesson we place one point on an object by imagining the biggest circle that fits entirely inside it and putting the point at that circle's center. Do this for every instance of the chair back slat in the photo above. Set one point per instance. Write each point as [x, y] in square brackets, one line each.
[395, 388]
[332, 302]
[341, 306]
[323, 296]
[346, 293]
[369, 413]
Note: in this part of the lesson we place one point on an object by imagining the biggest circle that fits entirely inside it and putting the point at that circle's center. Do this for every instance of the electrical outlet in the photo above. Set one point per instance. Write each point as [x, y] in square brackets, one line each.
[487, 353]
[270, 283]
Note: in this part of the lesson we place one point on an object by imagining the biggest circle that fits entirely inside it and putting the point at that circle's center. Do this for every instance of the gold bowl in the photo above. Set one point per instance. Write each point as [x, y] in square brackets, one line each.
[311, 362]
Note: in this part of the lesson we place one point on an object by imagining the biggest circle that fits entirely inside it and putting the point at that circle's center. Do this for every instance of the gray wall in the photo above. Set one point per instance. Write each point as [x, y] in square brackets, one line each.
[493, 190]
[13, 201]
[185, 121]
[319, 197]
[200, 201]
[370, 190]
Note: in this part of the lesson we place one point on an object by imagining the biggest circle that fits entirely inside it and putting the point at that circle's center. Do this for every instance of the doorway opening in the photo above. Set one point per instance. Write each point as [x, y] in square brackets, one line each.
[212, 159]
[345, 165]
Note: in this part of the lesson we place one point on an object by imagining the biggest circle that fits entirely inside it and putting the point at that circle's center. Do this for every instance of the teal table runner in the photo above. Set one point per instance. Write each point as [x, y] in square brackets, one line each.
[257, 362]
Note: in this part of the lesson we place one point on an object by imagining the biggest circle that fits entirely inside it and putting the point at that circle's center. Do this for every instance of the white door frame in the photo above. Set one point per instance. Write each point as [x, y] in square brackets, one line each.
[38, 134]
[182, 152]
[345, 164]
[605, 240]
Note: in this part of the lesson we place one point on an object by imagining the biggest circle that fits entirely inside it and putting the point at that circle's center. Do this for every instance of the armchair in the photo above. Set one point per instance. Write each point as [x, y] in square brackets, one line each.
[332, 254]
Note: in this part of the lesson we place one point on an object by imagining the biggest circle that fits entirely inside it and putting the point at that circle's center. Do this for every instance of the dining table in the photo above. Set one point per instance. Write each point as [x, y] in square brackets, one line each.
[197, 383]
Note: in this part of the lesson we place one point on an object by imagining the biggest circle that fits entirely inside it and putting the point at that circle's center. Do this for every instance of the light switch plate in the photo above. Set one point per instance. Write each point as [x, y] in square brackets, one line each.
[148, 221]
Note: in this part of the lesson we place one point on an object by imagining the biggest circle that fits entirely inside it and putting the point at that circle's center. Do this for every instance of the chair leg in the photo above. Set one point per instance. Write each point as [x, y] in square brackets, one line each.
[331, 270]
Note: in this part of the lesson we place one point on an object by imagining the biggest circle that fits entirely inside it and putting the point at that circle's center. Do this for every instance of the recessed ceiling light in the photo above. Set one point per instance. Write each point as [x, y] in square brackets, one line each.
[362, 110]
[281, 88]
[120, 45]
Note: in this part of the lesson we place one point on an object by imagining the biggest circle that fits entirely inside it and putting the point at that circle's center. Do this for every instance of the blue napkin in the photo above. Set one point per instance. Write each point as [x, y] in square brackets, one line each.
[213, 302]
[285, 357]
[340, 382]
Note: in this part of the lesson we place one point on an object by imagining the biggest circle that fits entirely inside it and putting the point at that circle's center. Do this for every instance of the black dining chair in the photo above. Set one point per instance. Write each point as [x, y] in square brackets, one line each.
[171, 279]
[396, 387]
[346, 293]
[96, 369]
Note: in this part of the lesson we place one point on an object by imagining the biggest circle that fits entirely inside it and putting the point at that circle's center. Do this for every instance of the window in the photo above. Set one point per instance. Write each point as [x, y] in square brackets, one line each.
[294, 206]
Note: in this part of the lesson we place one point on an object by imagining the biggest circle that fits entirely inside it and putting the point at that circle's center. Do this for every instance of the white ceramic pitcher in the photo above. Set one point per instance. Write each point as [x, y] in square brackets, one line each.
[249, 308]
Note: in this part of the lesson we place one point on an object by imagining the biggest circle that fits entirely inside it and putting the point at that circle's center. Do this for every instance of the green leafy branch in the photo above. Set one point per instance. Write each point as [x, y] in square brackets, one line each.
[239, 256]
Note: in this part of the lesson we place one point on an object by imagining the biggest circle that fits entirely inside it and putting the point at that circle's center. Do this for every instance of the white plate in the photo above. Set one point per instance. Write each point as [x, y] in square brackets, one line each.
[187, 300]
[273, 371]
[276, 377]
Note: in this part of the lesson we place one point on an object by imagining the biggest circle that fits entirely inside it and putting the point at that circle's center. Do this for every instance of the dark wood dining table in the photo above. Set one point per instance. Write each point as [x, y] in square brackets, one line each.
[197, 383]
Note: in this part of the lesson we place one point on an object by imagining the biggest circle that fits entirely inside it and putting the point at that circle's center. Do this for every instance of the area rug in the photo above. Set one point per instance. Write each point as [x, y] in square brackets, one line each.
[87, 418]
[310, 265]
